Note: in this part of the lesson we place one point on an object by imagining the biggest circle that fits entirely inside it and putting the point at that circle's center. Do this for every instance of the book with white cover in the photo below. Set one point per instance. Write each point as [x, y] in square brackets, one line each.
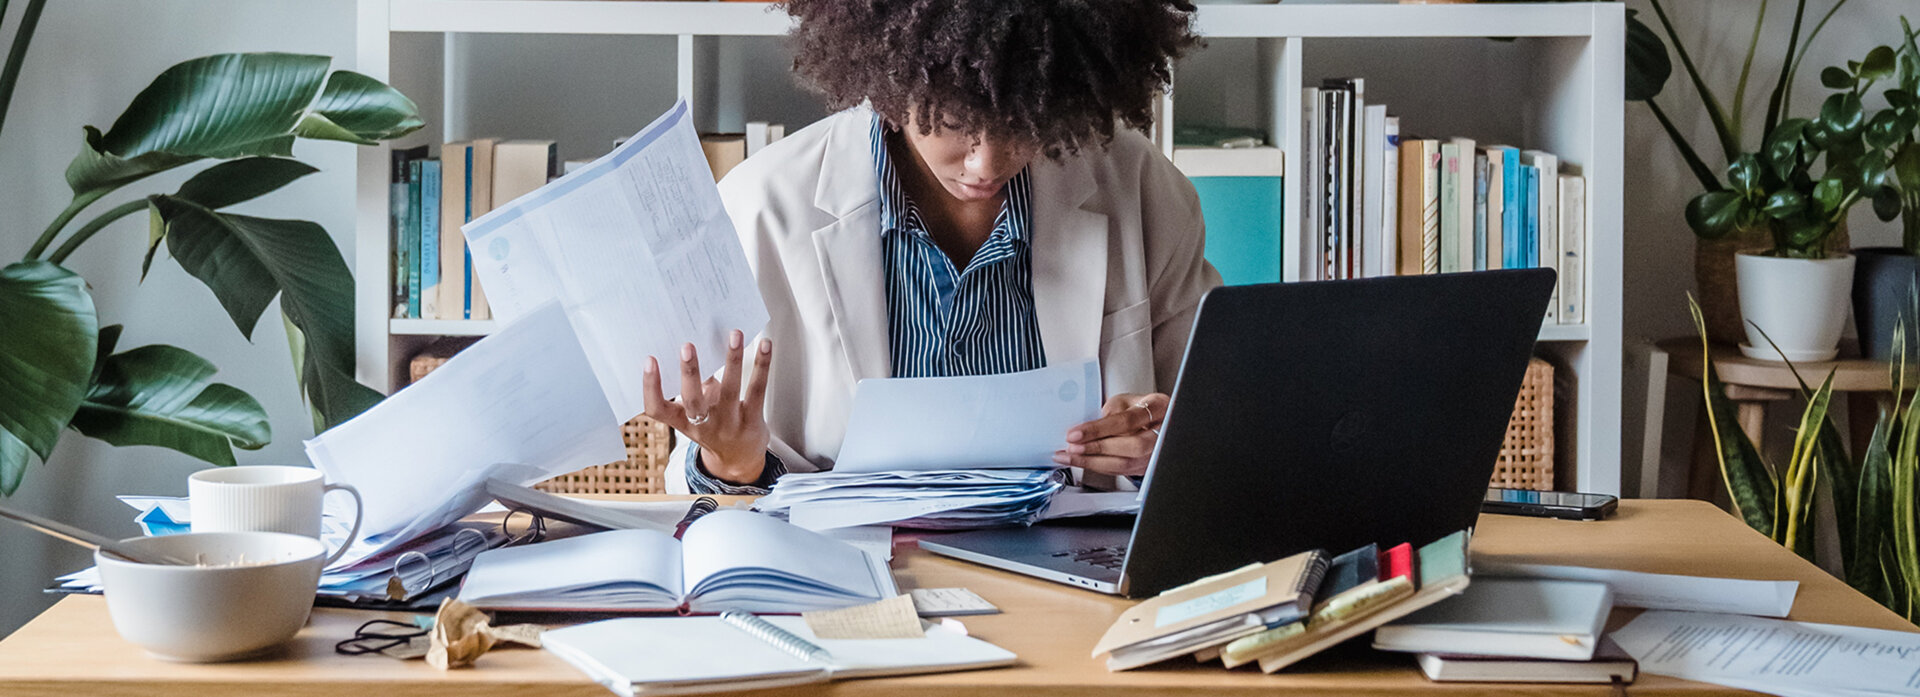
[727, 560]
[1515, 617]
[1573, 249]
[689, 655]
[1610, 662]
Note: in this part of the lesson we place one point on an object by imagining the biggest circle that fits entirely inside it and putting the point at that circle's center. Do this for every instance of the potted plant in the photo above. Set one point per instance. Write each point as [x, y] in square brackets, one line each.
[60, 368]
[1886, 276]
[1648, 68]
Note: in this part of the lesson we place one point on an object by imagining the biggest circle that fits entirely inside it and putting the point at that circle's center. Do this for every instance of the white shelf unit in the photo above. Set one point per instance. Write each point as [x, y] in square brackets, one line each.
[1545, 76]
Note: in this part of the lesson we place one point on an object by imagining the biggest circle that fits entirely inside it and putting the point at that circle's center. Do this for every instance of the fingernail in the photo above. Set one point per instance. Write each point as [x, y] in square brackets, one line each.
[686, 352]
[653, 365]
[735, 340]
[1074, 436]
[1076, 448]
[1060, 458]
[766, 346]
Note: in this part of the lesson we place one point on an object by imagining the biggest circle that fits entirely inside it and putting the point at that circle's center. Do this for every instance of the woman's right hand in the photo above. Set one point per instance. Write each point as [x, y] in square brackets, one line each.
[729, 425]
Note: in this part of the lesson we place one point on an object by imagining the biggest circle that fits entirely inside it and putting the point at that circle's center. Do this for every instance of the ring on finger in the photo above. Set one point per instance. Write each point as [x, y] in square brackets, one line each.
[697, 419]
[1149, 410]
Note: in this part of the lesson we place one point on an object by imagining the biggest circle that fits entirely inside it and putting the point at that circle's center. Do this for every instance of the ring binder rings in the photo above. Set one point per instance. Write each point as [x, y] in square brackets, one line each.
[779, 638]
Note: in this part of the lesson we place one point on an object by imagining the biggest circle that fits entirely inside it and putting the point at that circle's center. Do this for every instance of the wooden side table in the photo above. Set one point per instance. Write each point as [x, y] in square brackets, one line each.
[1751, 385]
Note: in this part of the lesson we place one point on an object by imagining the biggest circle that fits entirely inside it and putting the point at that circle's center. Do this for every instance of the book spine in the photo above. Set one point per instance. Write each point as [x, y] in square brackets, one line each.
[1531, 198]
[1464, 246]
[1496, 209]
[1573, 245]
[417, 218]
[1390, 197]
[1450, 208]
[1336, 224]
[1312, 168]
[399, 205]
[1550, 226]
[1430, 207]
[424, 296]
[1512, 230]
[1480, 260]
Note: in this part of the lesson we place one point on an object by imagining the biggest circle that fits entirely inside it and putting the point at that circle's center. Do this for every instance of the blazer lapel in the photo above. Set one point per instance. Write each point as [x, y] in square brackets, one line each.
[849, 248]
[1069, 261]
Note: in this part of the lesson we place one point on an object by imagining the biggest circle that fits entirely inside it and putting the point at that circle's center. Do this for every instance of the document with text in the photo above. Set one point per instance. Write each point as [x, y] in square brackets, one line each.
[1781, 657]
[521, 405]
[637, 248]
[973, 422]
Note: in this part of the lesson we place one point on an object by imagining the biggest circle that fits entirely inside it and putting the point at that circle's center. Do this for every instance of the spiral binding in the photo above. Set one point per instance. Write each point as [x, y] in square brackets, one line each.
[779, 638]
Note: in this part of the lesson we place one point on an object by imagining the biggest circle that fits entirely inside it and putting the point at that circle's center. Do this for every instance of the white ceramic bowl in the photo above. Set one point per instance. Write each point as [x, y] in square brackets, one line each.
[252, 592]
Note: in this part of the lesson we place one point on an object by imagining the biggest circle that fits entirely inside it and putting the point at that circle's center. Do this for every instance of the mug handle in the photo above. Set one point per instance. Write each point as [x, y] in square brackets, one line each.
[359, 507]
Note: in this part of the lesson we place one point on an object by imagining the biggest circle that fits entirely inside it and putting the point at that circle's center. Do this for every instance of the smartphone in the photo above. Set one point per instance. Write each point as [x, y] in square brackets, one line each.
[1549, 504]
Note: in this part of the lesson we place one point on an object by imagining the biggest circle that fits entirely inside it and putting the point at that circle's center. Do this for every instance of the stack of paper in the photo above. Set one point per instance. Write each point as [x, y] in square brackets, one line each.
[933, 500]
[946, 453]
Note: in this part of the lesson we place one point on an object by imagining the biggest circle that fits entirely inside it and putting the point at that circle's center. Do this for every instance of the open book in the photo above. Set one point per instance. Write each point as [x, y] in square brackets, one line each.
[727, 560]
[684, 655]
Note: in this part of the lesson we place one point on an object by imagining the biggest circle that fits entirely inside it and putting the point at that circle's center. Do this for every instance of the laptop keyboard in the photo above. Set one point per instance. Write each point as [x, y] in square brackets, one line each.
[1109, 557]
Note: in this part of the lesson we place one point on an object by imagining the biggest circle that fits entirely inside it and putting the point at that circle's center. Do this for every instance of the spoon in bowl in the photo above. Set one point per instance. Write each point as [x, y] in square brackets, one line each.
[89, 540]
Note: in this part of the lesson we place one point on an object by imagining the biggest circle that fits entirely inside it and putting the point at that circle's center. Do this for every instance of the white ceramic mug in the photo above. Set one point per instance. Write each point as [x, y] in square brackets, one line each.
[265, 498]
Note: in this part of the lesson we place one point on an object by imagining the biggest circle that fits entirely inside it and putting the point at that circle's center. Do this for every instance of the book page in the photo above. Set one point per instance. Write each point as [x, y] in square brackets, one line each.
[577, 571]
[1777, 656]
[639, 250]
[729, 545]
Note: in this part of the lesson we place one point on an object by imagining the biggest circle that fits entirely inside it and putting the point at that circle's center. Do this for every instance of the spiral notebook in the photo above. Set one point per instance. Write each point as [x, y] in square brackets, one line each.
[737, 651]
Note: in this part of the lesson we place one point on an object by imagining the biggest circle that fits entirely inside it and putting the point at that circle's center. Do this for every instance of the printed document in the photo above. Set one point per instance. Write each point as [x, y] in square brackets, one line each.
[974, 422]
[638, 249]
[521, 405]
[1774, 656]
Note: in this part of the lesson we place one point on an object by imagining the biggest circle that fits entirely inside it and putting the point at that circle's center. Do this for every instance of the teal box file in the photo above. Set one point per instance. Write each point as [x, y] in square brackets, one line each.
[1243, 227]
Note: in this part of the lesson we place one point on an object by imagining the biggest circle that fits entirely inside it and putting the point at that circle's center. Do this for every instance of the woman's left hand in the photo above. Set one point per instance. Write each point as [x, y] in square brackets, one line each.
[1119, 442]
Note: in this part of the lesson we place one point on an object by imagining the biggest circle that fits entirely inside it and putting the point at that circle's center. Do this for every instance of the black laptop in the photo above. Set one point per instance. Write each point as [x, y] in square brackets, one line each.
[1320, 415]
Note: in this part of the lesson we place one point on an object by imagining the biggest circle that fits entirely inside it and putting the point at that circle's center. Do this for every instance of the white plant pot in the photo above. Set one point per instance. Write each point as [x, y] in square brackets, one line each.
[1802, 304]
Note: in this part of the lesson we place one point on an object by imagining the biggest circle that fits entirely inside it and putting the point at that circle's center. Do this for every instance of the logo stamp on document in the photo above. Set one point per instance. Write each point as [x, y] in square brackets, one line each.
[1069, 390]
[498, 248]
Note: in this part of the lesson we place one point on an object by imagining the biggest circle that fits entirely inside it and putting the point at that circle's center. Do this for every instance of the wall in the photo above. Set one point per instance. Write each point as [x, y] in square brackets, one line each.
[88, 59]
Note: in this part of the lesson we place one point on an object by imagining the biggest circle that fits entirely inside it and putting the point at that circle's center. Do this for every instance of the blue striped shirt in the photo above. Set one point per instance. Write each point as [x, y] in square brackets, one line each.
[941, 320]
[944, 321]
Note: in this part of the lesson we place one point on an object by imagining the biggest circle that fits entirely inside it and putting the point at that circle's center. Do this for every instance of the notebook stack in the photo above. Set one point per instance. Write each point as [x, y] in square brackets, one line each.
[1515, 630]
[1357, 591]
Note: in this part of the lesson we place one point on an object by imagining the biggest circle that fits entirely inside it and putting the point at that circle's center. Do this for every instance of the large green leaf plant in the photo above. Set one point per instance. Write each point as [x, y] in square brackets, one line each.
[59, 368]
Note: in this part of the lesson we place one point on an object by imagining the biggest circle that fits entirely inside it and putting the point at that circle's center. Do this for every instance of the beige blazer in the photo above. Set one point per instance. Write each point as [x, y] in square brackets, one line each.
[1117, 272]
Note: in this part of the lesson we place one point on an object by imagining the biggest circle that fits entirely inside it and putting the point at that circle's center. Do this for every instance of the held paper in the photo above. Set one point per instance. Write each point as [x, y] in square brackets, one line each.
[521, 405]
[1776, 656]
[638, 249]
[1011, 420]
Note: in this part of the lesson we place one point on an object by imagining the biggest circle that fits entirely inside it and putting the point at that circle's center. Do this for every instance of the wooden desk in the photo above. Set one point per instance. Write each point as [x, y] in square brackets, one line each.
[71, 650]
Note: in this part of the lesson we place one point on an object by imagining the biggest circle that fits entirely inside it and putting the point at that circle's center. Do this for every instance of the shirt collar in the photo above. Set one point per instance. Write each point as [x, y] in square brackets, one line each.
[897, 211]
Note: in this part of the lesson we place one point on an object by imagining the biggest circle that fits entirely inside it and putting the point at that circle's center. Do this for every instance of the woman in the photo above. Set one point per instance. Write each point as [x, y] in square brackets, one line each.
[982, 204]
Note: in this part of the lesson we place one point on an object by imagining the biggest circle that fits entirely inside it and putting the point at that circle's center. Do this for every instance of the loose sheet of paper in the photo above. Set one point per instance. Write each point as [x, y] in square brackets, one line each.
[892, 618]
[950, 602]
[1775, 656]
[639, 250]
[1664, 591]
[876, 540]
[521, 405]
[1075, 502]
[985, 421]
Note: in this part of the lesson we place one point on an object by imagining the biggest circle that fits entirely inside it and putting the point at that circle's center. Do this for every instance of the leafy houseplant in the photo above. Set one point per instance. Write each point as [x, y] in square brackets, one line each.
[59, 368]
[1887, 275]
[1876, 493]
[1648, 69]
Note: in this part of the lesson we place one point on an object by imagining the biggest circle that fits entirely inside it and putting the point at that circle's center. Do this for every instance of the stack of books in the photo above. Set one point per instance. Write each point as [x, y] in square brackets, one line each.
[432, 197]
[1272, 615]
[1515, 630]
[1381, 203]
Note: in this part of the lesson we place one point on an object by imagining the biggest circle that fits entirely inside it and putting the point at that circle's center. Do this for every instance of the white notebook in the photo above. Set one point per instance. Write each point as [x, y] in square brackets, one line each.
[727, 560]
[686, 655]
[1516, 617]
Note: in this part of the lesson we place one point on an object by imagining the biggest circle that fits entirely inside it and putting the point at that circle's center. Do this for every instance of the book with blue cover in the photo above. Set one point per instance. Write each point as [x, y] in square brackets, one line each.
[423, 296]
[1512, 210]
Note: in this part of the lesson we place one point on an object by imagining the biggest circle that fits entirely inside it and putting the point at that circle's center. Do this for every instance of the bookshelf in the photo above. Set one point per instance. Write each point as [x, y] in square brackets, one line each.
[1544, 75]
